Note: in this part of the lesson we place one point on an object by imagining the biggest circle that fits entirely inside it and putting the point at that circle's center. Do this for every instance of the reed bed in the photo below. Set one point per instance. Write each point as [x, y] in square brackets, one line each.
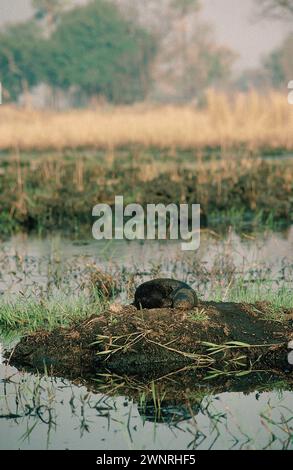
[251, 120]
[59, 189]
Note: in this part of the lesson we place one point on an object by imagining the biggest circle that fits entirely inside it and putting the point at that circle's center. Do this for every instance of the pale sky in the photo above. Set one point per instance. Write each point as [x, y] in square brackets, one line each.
[237, 26]
[234, 21]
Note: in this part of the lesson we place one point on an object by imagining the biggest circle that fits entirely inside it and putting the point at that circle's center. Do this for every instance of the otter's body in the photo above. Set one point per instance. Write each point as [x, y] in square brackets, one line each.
[165, 293]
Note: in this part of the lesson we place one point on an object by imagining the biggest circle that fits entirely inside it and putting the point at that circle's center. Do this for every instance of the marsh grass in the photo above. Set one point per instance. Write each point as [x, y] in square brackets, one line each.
[25, 315]
[60, 310]
[253, 120]
[257, 292]
[59, 190]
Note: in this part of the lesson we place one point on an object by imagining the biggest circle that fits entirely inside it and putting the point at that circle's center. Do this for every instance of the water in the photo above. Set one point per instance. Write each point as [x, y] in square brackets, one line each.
[54, 413]
[29, 264]
[40, 412]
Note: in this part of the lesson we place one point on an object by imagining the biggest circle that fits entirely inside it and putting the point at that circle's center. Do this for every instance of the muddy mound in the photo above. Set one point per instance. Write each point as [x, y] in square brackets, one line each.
[212, 335]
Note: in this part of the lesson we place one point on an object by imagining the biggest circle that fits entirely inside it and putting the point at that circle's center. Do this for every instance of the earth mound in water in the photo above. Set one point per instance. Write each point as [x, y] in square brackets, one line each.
[126, 340]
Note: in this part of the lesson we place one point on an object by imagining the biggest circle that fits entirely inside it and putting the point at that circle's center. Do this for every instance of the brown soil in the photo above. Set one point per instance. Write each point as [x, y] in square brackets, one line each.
[161, 340]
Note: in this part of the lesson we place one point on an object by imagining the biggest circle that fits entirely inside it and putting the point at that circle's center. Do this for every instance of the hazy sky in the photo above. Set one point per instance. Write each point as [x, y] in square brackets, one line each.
[235, 25]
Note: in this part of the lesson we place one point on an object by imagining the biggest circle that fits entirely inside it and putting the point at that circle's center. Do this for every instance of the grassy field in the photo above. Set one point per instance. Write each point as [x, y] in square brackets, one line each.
[55, 166]
[251, 120]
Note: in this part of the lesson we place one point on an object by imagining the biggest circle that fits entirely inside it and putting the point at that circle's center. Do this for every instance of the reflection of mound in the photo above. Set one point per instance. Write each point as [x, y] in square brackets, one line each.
[170, 414]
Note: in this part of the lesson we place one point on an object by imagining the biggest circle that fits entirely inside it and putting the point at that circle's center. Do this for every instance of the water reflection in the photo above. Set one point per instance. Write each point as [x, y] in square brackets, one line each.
[38, 412]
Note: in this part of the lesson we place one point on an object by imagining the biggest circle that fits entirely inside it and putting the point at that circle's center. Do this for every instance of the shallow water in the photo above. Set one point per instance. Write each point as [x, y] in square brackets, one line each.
[28, 263]
[54, 413]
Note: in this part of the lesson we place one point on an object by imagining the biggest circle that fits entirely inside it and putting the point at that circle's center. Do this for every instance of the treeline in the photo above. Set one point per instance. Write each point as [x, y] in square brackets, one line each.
[103, 49]
[125, 51]
[91, 48]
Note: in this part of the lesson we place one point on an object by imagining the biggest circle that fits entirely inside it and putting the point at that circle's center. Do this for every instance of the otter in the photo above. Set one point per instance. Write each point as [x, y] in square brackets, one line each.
[165, 293]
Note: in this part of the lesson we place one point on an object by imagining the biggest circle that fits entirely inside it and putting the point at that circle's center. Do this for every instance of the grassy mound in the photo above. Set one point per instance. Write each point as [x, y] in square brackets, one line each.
[213, 336]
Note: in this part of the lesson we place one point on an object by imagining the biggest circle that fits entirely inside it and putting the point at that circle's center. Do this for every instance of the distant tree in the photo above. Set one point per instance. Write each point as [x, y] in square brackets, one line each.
[185, 6]
[21, 58]
[189, 59]
[101, 53]
[49, 11]
[182, 9]
[249, 79]
[274, 70]
[279, 64]
[280, 9]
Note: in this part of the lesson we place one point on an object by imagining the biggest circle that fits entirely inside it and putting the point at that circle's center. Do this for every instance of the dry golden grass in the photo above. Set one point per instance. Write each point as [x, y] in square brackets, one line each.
[250, 119]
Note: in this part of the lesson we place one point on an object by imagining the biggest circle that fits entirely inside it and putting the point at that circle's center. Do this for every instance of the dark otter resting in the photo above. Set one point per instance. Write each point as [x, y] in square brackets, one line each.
[164, 293]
